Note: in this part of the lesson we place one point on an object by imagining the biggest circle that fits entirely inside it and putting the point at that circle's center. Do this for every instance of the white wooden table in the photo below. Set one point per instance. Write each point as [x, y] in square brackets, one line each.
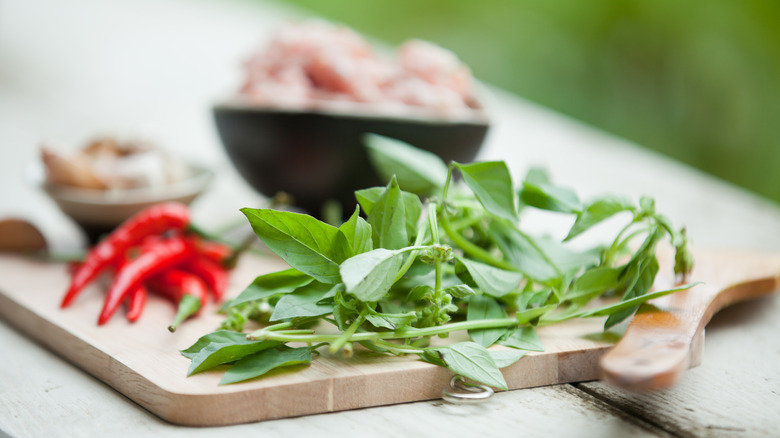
[70, 70]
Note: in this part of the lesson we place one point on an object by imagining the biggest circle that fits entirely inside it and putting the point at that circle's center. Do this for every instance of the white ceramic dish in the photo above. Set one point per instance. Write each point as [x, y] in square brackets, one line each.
[99, 211]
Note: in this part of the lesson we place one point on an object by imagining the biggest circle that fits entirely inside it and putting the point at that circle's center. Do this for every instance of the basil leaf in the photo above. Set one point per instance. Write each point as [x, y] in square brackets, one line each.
[632, 303]
[412, 209]
[565, 259]
[523, 338]
[379, 322]
[420, 292]
[472, 361]
[203, 341]
[370, 275]
[367, 198]
[483, 307]
[388, 219]
[647, 205]
[531, 299]
[597, 211]
[537, 175]
[305, 243]
[491, 182]
[343, 312]
[417, 170]
[400, 319]
[433, 356]
[641, 282]
[524, 253]
[264, 361]
[493, 281]
[460, 291]
[358, 233]
[504, 358]
[530, 314]
[267, 285]
[391, 321]
[549, 197]
[304, 302]
[592, 283]
[221, 347]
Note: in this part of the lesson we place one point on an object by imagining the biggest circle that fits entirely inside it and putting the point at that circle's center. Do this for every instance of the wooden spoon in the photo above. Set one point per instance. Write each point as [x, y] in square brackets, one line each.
[666, 336]
[18, 235]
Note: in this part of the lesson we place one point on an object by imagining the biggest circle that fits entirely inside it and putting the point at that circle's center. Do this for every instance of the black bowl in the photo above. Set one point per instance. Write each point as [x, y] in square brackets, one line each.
[318, 156]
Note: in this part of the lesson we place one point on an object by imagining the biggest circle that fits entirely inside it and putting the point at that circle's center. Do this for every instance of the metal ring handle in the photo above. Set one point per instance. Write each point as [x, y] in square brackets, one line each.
[461, 391]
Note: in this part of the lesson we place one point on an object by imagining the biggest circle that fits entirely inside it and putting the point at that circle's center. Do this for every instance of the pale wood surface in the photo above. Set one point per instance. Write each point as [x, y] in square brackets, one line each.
[69, 70]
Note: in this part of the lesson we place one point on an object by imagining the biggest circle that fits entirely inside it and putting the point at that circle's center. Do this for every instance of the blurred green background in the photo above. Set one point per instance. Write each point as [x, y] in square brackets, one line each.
[697, 80]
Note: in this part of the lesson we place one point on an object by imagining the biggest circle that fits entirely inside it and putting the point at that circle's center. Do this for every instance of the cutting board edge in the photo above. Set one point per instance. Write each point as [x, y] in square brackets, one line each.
[329, 388]
[192, 409]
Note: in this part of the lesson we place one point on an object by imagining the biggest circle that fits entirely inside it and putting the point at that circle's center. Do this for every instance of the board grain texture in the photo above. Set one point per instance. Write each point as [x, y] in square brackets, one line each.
[142, 360]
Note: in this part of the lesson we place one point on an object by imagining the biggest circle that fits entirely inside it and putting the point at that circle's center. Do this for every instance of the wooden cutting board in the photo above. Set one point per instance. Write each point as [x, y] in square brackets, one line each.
[142, 360]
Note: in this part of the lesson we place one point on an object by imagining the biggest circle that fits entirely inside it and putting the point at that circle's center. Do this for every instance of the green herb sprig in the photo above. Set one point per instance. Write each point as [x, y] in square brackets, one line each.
[407, 266]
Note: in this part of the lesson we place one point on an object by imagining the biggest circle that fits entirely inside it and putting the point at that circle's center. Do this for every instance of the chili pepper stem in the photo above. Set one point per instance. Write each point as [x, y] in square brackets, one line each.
[192, 228]
[188, 306]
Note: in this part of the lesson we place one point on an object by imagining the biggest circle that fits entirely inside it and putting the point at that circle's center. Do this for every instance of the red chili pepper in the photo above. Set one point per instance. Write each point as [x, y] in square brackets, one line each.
[214, 251]
[214, 275]
[153, 220]
[137, 301]
[152, 260]
[73, 266]
[186, 290]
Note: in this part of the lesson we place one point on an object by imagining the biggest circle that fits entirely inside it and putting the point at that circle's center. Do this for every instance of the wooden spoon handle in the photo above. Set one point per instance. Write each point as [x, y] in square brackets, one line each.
[666, 336]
